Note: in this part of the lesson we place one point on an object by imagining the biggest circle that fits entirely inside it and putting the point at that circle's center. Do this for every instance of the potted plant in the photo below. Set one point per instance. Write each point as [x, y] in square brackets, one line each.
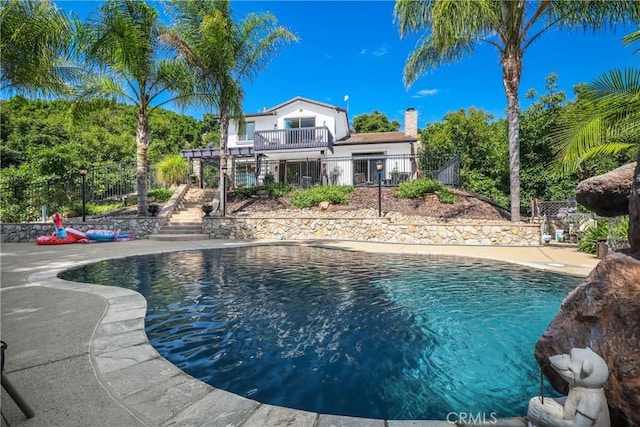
[153, 209]
[207, 209]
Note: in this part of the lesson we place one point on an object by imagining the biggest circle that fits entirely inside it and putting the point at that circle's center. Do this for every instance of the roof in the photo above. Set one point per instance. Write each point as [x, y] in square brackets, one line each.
[272, 111]
[376, 138]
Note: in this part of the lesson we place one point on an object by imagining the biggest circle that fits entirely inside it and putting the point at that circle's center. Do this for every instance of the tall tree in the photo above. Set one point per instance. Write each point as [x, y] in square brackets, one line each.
[36, 41]
[454, 27]
[374, 122]
[223, 54]
[122, 41]
[609, 124]
[479, 141]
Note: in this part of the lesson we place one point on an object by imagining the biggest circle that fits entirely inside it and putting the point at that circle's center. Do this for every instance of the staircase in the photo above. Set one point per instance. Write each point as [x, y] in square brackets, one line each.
[186, 222]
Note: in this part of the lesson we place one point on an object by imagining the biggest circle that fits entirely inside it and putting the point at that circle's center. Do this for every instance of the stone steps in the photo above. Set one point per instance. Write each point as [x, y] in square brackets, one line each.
[186, 222]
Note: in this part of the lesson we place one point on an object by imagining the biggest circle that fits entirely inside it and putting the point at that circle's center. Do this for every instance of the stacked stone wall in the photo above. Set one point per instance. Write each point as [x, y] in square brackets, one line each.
[389, 230]
[375, 230]
[140, 227]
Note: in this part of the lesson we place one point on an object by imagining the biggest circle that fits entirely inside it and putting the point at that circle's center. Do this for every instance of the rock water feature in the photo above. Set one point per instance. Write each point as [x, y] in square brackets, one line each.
[603, 312]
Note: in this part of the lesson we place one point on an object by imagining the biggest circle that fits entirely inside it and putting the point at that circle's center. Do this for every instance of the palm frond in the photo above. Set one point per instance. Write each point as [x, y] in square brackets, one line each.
[426, 56]
[607, 123]
[36, 45]
[631, 39]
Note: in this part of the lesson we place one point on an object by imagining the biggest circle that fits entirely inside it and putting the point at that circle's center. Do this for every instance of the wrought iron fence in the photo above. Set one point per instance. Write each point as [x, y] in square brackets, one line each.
[357, 170]
[557, 208]
[108, 181]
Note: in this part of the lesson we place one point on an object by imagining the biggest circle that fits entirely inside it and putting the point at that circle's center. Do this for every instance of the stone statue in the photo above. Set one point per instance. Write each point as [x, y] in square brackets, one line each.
[586, 404]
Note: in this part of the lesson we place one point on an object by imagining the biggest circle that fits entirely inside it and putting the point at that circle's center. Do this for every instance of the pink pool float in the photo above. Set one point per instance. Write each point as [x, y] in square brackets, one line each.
[64, 236]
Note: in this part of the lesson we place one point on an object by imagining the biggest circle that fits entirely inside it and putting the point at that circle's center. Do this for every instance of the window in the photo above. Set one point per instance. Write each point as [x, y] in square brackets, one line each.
[245, 173]
[364, 165]
[300, 122]
[250, 128]
[300, 129]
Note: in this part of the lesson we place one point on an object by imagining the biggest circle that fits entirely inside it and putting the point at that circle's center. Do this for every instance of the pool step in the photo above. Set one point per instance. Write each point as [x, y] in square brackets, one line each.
[178, 237]
[181, 229]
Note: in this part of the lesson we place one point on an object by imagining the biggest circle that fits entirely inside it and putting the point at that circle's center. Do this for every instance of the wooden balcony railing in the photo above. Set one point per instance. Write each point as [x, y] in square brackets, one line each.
[285, 139]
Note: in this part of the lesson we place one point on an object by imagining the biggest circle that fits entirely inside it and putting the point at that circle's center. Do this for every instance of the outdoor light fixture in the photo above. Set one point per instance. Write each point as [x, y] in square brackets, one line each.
[379, 166]
[83, 171]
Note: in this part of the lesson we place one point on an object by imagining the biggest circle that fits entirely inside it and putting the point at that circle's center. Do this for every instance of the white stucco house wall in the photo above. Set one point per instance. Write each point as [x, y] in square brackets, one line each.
[306, 142]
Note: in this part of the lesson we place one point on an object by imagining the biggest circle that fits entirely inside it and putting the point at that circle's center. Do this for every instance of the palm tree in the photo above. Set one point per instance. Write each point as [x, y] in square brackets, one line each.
[454, 27]
[36, 41]
[223, 53]
[607, 123]
[122, 42]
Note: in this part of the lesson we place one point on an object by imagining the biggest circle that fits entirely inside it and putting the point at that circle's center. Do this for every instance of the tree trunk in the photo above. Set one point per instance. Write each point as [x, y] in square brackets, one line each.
[224, 136]
[511, 70]
[142, 143]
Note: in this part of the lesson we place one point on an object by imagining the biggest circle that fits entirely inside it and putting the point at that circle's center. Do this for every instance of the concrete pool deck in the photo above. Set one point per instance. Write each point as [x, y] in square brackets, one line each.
[79, 355]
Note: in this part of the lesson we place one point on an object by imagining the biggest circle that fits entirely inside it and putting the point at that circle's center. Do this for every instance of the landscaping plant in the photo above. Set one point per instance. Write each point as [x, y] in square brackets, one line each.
[589, 240]
[315, 195]
[420, 187]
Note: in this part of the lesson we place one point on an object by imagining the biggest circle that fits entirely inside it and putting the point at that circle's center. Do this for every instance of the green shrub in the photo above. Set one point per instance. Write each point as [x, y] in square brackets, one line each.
[275, 189]
[158, 195]
[103, 208]
[278, 189]
[161, 195]
[446, 196]
[172, 170]
[420, 187]
[246, 192]
[18, 213]
[269, 178]
[315, 195]
[589, 239]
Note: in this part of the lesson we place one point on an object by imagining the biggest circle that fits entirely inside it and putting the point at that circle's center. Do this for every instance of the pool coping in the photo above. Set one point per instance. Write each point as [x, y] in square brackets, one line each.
[156, 392]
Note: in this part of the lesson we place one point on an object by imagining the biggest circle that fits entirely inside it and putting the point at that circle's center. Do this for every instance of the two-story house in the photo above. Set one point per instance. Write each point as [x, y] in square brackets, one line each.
[305, 142]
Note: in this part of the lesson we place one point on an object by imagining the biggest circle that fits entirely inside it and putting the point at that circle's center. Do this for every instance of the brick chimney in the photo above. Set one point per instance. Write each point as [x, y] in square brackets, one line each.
[411, 122]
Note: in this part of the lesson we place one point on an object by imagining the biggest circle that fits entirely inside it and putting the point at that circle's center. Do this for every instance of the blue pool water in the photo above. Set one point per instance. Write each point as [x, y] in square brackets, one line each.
[349, 333]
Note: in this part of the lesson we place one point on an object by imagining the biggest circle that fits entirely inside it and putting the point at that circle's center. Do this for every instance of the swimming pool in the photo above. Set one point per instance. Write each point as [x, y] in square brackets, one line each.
[349, 333]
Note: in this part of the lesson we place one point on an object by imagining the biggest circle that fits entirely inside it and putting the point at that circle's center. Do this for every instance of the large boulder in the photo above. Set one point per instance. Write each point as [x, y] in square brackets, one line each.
[607, 194]
[634, 211]
[603, 313]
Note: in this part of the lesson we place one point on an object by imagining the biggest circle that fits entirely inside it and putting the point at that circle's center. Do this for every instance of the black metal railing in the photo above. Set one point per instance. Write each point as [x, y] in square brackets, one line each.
[356, 170]
[104, 182]
[279, 139]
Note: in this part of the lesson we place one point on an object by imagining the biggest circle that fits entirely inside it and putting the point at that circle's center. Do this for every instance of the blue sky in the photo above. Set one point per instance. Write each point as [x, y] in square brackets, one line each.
[353, 48]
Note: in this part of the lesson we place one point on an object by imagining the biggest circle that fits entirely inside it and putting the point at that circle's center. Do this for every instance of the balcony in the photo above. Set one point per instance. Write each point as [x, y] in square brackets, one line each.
[292, 139]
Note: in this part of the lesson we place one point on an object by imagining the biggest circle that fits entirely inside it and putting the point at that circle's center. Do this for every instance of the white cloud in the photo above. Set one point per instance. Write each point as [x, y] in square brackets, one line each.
[382, 50]
[425, 92]
[363, 51]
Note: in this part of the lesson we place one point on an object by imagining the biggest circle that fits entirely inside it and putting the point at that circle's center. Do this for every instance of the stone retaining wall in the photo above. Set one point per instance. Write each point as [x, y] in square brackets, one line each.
[460, 232]
[140, 227]
[390, 230]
